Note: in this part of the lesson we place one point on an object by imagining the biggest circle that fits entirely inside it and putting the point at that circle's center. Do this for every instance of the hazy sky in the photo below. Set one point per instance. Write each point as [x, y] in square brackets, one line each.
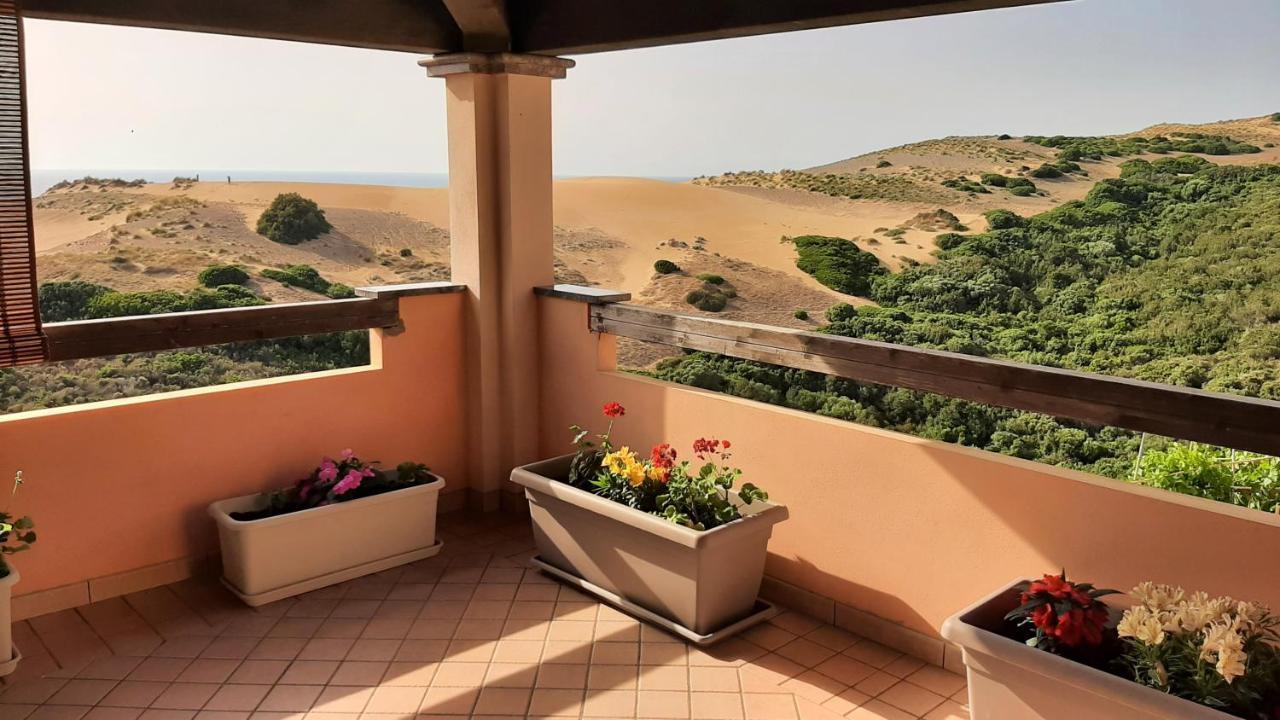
[121, 98]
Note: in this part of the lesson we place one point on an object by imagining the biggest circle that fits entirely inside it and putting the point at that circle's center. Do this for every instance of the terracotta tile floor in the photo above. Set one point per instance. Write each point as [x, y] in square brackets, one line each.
[471, 632]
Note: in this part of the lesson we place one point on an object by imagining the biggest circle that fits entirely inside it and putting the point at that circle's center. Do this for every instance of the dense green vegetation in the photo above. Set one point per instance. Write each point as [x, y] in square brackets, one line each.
[1095, 148]
[79, 300]
[81, 381]
[665, 267]
[308, 278]
[1166, 274]
[837, 263]
[291, 219]
[964, 184]
[215, 275]
[851, 185]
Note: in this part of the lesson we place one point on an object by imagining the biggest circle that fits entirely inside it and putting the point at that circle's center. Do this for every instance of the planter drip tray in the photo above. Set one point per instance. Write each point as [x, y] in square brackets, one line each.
[315, 583]
[762, 611]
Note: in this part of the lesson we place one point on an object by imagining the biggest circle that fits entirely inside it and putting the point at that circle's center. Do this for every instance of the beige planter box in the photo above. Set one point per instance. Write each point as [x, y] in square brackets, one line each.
[7, 650]
[277, 557]
[702, 581]
[1008, 679]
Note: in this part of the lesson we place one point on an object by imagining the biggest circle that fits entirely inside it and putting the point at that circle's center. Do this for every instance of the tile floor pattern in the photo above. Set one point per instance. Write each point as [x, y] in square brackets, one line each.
[471, 632]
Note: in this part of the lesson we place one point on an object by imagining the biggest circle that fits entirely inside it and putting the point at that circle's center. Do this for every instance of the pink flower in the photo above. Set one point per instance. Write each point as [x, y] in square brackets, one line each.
[328, 471]
[347, 454]
[348, 483]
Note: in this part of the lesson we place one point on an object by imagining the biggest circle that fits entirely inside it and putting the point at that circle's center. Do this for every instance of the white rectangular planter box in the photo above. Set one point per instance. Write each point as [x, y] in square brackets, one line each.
[702, 581]
[277, 557]
[1008, 679]
[8, 652]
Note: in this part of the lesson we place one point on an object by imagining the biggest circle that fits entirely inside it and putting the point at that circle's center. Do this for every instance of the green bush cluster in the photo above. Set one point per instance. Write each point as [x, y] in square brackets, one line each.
[77, 300]
[1163, 275]
[665, 267]
[308, 278]
[884, 164]
[837, 263]
[707, 298]
[1019, 186]
[964, 184]
[1239, 478]
[711, 278]
[80, 381]
[215, 275]
[292, 219]
[1095, 148]
[801, 315]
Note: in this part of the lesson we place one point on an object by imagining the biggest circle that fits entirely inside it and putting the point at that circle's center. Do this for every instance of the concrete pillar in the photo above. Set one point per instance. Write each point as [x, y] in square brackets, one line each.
[500, 228]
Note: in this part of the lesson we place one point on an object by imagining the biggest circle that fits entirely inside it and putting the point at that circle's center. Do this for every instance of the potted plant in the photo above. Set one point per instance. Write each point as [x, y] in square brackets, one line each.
[1052, 650]
[346, 519]
[16, 535]
[655, 535]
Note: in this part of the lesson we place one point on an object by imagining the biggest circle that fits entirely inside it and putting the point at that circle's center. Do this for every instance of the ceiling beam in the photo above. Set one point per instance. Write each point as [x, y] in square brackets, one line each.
[483, 24]
[566, 27]
[421, 26]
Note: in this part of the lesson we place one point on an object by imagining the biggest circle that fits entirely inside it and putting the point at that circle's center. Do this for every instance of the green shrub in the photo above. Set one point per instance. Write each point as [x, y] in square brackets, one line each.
[711, 278]
[665, 267]
[1240, 478]
[1003, 219]
[895, 232]
[62, 301]
[406, 252]
[308, 278]
[1004, 136]
[291, 219]
[1016, 182]
[964, 184]
[1046, 171]
[837, 263]
[338, 291]
[707, 300]
[884, 164]
[994, 180]
[215, 275]
[1022, 191]
[1275, 117]
[800, 314]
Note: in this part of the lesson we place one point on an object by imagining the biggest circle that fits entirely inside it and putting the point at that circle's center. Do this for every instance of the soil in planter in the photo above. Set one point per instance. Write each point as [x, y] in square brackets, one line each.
[380, 483]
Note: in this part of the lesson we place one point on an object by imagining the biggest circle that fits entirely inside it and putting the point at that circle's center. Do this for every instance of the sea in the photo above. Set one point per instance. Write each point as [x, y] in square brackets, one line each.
[43, 179]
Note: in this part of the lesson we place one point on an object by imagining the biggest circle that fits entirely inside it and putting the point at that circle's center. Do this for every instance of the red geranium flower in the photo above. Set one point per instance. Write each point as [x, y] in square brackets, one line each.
[614, 410]
[663, 456]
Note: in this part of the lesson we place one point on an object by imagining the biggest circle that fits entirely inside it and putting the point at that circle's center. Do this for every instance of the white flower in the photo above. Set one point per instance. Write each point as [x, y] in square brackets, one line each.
[1141, 624]
[1158, 597]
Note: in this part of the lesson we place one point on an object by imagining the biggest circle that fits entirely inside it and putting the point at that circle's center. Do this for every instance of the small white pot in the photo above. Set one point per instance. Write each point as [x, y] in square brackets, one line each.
[277, 557]
[7, 650]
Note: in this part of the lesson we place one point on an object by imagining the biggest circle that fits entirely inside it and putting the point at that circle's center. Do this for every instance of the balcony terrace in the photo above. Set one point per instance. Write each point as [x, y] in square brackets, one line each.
[118, 614]
[472, 631]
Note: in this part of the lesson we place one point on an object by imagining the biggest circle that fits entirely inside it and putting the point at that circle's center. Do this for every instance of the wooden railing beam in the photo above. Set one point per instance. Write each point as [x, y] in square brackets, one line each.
[1228, 420]
[169, 331]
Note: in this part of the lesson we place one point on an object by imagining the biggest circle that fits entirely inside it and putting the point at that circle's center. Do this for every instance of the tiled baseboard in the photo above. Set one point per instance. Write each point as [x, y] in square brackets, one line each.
[931, 649]
[43, 602]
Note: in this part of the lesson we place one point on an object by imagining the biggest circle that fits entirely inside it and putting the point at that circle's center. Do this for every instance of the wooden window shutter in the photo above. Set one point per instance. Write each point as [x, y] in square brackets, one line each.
[22, 339]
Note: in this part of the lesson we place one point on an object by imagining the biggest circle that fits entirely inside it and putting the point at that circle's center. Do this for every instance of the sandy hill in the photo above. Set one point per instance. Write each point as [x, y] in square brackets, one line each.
[609, 231]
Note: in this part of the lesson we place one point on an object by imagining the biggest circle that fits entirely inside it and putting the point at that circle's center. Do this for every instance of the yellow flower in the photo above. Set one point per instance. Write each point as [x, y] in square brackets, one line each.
[1224, 646]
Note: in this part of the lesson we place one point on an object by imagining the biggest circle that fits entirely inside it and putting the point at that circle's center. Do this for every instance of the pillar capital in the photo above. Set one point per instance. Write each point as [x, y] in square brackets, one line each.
[460, 63]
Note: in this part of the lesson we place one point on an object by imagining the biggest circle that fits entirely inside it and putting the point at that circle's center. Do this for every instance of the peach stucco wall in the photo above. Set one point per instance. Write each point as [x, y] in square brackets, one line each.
[909, 529]
[120, 485]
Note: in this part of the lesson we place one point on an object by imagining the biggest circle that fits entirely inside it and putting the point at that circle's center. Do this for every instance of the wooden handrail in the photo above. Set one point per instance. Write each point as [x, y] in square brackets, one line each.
[1228, 420]
[168, 331]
